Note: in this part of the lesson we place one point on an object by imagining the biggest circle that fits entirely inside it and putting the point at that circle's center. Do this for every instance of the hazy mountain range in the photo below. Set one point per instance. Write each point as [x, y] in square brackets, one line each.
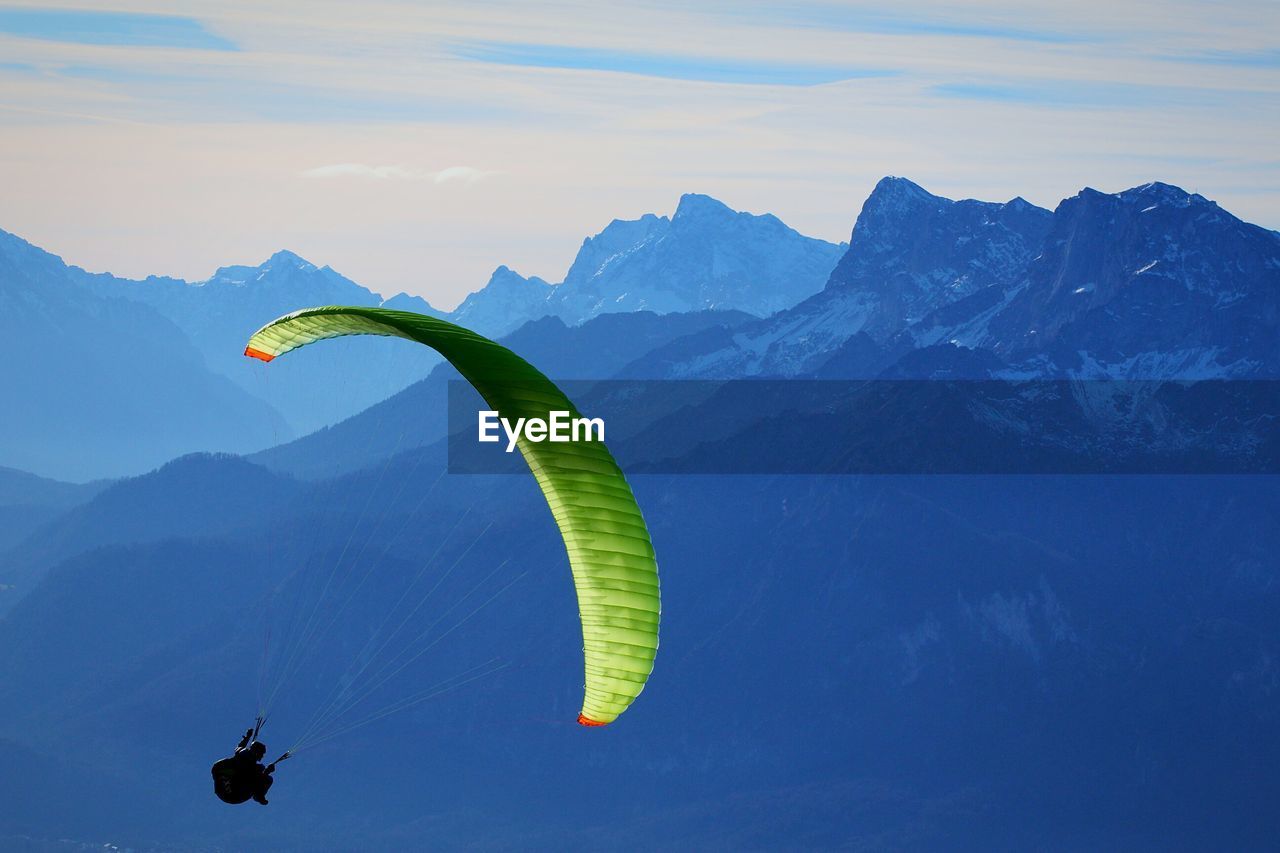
[1104, 286]
[930, 288]
[704, 257]
[905, 662]
[96, 386]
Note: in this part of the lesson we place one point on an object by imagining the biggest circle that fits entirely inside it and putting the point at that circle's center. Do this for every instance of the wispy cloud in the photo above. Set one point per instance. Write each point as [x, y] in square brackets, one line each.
[1058, 94]
[110, 28]
[465, 174]
[1238, 58]
[457, 174]
[668, 65]
[882, 21]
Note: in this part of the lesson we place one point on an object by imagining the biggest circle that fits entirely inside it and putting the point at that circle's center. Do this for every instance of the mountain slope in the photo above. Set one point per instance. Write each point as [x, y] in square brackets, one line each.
[1152, 282]
[1065, 670]
[1148, 283]
[221, 312]
[20, 487]
[28, 502]
[705, 256]
[71, 358]
[192, 496]
[508, 301]
[911, 252]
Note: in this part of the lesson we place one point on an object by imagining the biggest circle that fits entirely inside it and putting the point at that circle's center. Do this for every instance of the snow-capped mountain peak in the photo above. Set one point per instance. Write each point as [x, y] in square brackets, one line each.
[706, 255]
[505, 303]
[1147, 283]
[282, 267]
[699, 206]
[1157, 192]
[285, 258]
[620, 238]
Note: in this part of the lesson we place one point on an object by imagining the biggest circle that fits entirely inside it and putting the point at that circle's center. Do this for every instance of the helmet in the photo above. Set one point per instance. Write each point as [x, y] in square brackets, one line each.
[257, 749]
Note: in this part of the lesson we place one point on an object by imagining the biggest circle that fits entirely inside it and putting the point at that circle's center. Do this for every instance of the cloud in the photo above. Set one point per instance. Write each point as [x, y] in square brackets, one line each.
[134, 29]
[672, 66]
[456, 174]
[465, 174]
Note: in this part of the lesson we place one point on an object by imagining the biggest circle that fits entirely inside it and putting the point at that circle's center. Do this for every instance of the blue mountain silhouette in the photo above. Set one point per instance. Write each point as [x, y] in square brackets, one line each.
[966, 661]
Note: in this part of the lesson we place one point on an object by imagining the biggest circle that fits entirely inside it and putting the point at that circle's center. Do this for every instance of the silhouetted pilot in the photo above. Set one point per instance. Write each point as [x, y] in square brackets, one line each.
[242, 777]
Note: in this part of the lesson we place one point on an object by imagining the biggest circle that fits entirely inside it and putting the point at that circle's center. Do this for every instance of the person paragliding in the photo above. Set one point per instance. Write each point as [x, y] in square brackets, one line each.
[611, 556]
[242, 777]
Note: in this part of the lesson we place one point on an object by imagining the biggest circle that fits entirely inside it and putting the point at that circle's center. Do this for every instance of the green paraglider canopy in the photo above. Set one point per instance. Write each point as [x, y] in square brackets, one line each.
[610, 553]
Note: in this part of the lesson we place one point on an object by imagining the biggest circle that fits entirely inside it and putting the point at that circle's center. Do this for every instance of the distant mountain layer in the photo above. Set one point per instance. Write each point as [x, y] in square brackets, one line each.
[706, 256]
[28, 502]
[21, 488]
[191, 496]
[956, 290]
[1149, 283]
[88, 328]
[96, 386]
[910, 253]
[220, 313]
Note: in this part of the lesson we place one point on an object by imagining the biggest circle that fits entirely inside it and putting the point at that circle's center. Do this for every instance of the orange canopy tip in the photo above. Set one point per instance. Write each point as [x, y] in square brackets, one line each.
[584, 720]
[257, 353]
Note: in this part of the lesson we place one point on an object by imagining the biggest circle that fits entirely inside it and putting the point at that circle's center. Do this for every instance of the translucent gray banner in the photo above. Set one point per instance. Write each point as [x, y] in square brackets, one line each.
[908, 426]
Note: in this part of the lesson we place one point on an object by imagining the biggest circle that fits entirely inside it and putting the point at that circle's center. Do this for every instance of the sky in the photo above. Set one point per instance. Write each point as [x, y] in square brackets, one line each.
[416, 146]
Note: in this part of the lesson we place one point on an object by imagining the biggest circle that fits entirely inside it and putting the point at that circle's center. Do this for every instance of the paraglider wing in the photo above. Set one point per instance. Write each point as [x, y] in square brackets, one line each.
[610, 554]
